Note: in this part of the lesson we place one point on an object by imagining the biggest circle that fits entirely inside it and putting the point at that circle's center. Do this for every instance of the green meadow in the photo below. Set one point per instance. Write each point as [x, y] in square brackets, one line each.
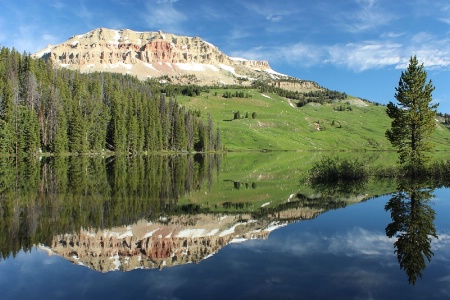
[345, 125]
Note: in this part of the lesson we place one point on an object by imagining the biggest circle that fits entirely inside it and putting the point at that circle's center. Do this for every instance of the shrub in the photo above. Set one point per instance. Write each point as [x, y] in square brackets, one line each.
[334, 169]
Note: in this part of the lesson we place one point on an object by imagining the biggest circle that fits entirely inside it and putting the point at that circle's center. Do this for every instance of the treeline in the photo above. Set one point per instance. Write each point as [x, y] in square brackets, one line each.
[319, 96]
[236, 94]
[40, 199]
[59, 111]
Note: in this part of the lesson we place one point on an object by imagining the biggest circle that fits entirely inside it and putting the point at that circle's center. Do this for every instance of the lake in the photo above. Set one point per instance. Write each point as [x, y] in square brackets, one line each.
[238, 226]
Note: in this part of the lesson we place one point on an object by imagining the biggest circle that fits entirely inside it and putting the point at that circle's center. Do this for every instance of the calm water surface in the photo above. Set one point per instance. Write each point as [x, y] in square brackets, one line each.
[280, 245]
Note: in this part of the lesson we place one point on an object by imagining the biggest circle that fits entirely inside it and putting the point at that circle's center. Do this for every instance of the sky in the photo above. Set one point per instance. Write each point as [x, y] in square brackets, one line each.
[359, 47]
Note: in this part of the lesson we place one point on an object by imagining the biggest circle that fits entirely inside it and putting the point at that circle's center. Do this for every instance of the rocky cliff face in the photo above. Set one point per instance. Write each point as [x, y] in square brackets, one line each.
[153, 54]
[180, 240]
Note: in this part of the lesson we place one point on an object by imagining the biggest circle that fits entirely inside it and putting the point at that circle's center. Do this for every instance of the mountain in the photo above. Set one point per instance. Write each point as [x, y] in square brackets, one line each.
[156, 54]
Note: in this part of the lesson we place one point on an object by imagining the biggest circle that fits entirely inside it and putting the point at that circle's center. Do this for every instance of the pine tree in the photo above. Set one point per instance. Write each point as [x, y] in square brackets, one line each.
[7, 120]
[413, 117]
[77, 132]
[60, 142]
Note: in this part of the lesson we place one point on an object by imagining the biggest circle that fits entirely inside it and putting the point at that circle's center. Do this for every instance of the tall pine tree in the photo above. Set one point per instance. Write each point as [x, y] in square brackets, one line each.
[412, 117]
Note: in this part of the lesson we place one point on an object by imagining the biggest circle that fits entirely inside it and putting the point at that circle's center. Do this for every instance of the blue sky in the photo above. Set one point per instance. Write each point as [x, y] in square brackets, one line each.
[356, 46]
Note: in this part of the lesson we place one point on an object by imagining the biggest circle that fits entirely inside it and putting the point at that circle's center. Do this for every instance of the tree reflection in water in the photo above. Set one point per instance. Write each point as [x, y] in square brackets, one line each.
[412, 225]
[412, 217]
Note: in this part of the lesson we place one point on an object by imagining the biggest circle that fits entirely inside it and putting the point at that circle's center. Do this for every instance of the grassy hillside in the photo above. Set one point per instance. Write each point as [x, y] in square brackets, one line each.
[280, 125]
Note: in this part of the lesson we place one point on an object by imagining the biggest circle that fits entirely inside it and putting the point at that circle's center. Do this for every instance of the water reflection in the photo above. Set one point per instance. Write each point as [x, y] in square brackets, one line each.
[412, 217]
[122, 213]
[41, 199]
[412, 226]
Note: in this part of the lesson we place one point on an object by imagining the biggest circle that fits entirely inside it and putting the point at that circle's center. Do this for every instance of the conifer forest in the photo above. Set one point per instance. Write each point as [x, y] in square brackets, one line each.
[49, 110]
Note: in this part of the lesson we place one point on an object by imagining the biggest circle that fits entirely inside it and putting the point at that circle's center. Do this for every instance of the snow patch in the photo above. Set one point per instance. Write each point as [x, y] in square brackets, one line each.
[126, 234]
[209, 44]
[238, 240]
[46, 249]
[116, 261]
[275, 225]
[292, 195]
[291, 104]
[265, 96]
[107, 233]
[265, 204]
[116, 36]
[149, 234]
[270, 71]
[44, 51]
[74, 43]
[208, 256]
[228, 68]
[238, 59]
[191, 233]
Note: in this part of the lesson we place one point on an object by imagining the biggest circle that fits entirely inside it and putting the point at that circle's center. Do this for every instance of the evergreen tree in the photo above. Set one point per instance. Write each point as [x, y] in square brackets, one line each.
[7, 120]
[77, 131]
[60, 141]
[413, 117]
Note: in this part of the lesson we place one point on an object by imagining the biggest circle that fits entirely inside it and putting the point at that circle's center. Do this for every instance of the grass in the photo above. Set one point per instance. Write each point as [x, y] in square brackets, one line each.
[258, 180]
[279, 126]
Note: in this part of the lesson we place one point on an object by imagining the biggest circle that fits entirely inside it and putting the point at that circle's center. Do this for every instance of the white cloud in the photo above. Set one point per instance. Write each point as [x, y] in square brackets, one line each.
[163, 15]
[298, 54]
[366, 55]
[274, 18]
[355, 242]
[393, 51]
[391, 35]
[366, 15]
[271, 10]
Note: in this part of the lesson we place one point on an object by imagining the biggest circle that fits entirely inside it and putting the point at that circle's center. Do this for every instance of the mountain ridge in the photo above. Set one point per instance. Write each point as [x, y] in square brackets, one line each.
[157, 54]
